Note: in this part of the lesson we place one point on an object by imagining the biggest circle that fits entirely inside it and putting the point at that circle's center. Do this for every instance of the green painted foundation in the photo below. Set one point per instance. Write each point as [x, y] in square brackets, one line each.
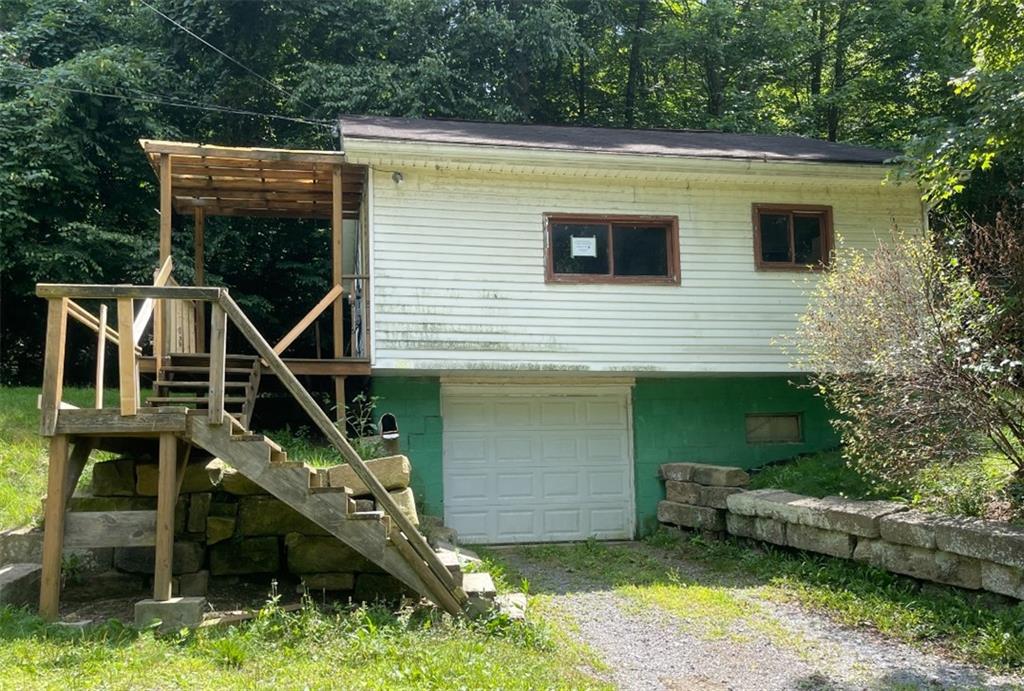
[699, 419]
[703, 420]
[416, 404]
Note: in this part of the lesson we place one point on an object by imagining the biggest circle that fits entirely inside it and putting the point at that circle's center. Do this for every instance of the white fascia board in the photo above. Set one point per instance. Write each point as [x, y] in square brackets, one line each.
[384, 153]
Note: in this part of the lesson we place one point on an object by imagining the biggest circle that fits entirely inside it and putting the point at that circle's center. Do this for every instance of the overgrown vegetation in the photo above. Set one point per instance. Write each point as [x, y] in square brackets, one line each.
[721, 600]
[919, 361]
[367, 647]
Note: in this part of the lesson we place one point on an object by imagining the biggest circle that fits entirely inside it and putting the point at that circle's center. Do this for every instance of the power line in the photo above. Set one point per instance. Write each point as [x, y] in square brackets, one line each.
[175, 103]
[222, 53]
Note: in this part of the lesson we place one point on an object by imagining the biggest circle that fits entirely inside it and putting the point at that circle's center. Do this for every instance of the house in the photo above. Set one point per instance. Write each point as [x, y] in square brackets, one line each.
[556, 311]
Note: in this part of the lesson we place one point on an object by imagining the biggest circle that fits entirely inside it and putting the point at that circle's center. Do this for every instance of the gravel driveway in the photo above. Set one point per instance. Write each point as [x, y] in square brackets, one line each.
[786, 647]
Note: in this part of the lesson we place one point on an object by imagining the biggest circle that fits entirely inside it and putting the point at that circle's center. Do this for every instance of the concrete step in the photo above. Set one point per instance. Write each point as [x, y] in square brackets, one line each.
[479, 588]
[19, 584]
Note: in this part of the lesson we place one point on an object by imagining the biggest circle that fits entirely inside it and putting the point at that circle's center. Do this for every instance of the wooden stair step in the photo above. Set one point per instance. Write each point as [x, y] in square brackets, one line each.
[185, 369]
[162, 400]
[366, 515]
[195, 384]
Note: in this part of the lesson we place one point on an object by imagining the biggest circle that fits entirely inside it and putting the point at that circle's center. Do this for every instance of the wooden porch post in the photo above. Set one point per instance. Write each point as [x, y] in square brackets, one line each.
[165, 207]
[53, 363]
[53, 533]
[167, 496]
[200, 271]
[128, 375]
[336, 274]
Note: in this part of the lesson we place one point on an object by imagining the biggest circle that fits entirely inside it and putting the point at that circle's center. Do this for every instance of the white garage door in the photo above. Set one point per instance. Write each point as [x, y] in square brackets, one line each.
[530, 467]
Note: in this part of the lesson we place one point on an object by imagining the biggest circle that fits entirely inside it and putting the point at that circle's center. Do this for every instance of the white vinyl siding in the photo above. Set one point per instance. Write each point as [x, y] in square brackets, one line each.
[458, 272]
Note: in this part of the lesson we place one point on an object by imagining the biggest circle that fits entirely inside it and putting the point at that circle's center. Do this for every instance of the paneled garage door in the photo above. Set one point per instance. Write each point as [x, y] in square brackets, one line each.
[530, 467]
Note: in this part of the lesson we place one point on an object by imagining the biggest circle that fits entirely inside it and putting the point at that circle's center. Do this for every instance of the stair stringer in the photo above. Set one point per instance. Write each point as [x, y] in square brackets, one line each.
[329, 511]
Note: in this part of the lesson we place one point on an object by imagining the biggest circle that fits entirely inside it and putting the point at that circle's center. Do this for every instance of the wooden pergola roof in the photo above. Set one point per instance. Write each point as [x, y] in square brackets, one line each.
[235, 181]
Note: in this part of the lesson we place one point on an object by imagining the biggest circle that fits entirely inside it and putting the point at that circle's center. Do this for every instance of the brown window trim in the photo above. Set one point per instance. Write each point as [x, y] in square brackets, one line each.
[828, 238]
[670, 222]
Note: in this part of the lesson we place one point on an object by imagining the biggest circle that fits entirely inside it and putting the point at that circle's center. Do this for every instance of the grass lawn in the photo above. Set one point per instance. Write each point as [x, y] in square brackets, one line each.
[364, 648]
[983, 629]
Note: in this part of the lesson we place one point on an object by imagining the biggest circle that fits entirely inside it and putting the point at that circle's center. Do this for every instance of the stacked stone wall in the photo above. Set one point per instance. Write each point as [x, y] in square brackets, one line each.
[965, 552]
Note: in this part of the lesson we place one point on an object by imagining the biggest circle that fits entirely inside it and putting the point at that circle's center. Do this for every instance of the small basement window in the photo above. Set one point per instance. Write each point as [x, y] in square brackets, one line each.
[792, 237]
[776, 428]
[605, 249]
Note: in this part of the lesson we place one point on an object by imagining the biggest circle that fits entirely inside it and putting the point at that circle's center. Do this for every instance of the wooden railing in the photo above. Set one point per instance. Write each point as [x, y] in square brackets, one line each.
[223, 310]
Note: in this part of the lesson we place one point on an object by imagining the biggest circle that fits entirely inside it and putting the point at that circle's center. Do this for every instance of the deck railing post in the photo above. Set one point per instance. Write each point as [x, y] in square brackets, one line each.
[101, 355]
[53, 363]
[127, 364]
[53, 532]
[218, 354]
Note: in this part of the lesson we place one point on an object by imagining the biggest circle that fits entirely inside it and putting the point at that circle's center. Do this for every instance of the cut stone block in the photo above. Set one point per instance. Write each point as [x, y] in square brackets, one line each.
[223, 509]
[392, 471]
[219, 528]
[174, 614]
[241, 557]
[198, 510]
[677, 472]
[512, 605]
[233, 482]
[25, 546]
[918, 562]
[846, 515]
[199, 477]
[479, 588]
[1005, 580]
[114, 478]
[769, 503]
[262, 515]
[308, 554]
[406, 504]
[19, 584]
[328, 581]
[706, 474]
[995, 541]
[822, 541]
[187, 558]
[716, 497]
[109, 584]
[687, 516]
[914, 528]
[192, 584]
[757, 528]
[683, 492]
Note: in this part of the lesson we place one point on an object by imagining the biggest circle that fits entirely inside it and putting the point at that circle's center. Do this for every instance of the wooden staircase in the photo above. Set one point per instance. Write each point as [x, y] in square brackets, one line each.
[205, 401]
[185, 380]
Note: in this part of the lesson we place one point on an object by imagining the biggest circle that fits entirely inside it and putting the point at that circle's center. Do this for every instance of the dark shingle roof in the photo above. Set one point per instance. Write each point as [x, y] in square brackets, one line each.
[686, 143]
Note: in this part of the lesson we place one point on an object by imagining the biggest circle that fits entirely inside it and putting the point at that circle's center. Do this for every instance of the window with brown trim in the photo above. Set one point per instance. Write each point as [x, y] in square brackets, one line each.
[789, 237]
[611, 249]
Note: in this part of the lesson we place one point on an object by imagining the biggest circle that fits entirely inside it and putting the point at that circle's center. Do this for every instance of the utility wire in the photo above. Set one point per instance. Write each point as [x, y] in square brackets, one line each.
[176, 103]
[223, 54]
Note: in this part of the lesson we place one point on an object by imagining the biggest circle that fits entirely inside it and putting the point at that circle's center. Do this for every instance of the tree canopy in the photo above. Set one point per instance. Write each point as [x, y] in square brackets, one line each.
[82, 80]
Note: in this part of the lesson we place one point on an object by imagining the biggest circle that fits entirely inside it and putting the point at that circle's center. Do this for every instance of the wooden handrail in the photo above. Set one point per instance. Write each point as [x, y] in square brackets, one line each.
[456, 598]
[90, 291]
[163, 274]
[310, 317]
[87, 318]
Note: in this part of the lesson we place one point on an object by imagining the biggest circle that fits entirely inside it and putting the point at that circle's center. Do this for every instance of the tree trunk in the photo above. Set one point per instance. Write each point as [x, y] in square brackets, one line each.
[635, 65]
[833, 113]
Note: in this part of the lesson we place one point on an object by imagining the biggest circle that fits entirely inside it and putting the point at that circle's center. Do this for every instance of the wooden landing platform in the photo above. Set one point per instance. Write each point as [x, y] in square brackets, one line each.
[344, 367]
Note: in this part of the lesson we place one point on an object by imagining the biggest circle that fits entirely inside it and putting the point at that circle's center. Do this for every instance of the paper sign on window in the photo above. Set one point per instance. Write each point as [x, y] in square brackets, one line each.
[583, 247]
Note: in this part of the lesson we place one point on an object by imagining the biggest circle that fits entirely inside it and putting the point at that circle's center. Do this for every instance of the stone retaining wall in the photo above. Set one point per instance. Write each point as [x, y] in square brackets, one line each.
[965, 552]
[227, 527]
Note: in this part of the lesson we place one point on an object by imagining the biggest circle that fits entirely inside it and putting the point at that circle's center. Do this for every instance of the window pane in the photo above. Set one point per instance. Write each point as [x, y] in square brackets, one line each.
[641, 250]
[775, 237]
[579, 248]
[807, 239]
[773, 429]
